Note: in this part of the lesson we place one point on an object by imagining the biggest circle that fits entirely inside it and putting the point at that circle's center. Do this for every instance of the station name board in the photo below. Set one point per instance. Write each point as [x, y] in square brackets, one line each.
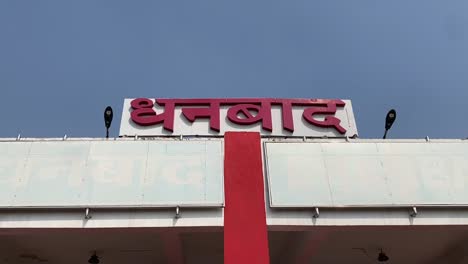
[213, 117]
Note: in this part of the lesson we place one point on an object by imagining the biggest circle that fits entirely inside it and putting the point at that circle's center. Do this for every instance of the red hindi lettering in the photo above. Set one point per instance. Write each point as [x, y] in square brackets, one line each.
[143, 113]
[329, 121]
[211, 113]
[263, 113]
[287, 116]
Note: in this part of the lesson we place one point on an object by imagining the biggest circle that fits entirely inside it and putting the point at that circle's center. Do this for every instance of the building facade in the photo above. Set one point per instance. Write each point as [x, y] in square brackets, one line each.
[237, 197]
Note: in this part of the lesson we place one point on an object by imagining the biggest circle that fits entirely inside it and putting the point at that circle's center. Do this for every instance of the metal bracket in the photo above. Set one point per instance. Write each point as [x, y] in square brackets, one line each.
[316, 213]
[87, 214]
[136, 137]
[304, 138]
[177, 213]
[347, 139]
[427, 138]
[64, 137]
[413, 212]
[18, 137]
[181, 137]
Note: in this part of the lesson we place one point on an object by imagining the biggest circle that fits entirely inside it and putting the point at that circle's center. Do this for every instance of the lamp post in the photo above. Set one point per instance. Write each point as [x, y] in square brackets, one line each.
[108, 115]
[391, 116]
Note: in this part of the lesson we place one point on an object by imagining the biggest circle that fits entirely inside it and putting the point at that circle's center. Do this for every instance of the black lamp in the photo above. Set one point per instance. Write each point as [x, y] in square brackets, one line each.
[94, 259]
[389, 120]
[382, 257]
[108, 115]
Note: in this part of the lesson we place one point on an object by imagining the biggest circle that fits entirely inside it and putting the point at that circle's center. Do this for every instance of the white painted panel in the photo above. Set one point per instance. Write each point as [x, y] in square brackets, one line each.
[350, 183]
[367, 174]
[111, 174]
[13, 158]
[459, 179]
[182, 172]
[282, 161]
[51, 170]
[11, 170]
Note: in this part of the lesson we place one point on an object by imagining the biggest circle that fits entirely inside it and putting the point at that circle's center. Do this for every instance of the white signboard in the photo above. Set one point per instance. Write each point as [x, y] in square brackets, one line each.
[214, 117]
[367, 174]
[111, 174]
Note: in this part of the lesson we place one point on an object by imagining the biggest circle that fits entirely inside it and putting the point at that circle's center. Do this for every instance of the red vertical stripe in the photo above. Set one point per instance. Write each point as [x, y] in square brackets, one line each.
[245, 230]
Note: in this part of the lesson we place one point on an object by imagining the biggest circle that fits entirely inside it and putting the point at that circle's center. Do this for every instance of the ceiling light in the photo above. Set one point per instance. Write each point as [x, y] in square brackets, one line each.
[94, 259]
[382, 257]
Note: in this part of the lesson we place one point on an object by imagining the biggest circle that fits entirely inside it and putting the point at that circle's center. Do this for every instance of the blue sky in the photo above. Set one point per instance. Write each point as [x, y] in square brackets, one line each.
[62, 62]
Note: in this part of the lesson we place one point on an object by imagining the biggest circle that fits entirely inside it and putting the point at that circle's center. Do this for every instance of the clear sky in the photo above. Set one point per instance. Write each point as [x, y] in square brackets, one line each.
[62, 62]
